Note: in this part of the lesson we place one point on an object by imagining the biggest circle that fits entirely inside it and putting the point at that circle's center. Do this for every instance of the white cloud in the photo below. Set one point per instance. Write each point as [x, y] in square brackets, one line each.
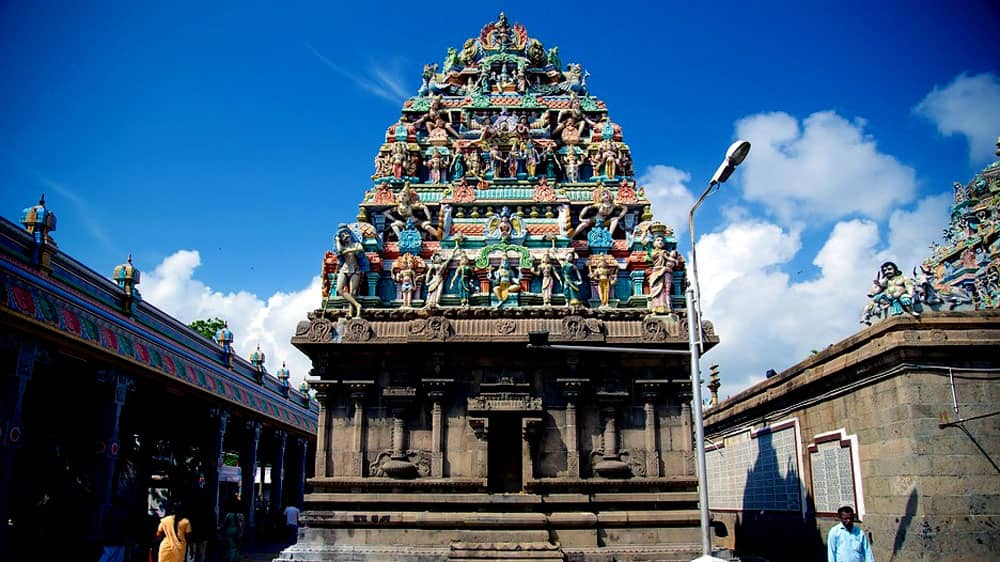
[268, 321]
[381, 81]
[768, 320]
[668, 194]
[742, 247]
[969, 106]
[823, 170]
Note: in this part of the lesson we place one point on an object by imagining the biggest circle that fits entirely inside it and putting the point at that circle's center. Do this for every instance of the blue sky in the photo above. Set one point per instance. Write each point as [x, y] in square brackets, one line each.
[222, 144]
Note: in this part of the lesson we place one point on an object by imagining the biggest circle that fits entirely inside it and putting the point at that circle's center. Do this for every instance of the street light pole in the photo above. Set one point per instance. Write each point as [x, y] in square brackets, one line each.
[734, 156]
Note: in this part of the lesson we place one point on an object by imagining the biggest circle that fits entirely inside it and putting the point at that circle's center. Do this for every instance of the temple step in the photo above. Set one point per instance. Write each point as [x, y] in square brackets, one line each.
[498, 551]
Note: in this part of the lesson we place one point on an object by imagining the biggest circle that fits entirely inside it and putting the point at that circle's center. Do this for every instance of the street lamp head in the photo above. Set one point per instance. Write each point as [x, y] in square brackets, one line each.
[736, 154]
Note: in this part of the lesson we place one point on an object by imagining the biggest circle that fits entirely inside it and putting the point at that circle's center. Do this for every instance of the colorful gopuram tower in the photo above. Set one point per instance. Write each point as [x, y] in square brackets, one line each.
[964, 272]
[961, 274]
[503, 202]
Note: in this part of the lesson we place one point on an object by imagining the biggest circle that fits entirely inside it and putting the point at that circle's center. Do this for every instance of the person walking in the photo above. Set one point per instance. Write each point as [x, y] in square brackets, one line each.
[847, 542]
[232, 530]
[292, 523]
[173, 530]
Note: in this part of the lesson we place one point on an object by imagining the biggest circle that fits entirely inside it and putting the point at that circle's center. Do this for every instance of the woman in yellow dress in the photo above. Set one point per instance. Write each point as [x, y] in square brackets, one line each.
[174, 530]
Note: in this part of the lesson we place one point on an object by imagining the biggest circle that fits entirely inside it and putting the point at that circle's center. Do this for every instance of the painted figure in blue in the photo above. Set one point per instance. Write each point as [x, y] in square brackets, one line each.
[550, 162]
[458, 165]
[506, 283]
[571, 279]
[465, 276]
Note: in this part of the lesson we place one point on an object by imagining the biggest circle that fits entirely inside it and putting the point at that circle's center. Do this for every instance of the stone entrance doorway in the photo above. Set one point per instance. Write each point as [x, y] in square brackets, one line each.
[505, 462]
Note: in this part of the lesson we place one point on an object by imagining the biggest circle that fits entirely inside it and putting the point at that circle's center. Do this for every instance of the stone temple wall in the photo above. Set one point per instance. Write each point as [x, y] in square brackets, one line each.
[876, 428]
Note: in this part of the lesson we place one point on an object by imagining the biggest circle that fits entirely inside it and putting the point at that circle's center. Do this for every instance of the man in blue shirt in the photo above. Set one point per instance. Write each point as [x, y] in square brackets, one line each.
[847, 543]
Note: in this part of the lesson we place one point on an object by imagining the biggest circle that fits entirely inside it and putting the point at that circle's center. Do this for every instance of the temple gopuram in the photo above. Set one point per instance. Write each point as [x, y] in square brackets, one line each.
[964, 272]
[503, 202]
[961, 274]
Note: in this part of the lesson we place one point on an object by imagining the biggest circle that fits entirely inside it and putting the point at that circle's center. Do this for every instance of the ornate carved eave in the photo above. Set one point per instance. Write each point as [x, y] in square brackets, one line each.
[616, 327]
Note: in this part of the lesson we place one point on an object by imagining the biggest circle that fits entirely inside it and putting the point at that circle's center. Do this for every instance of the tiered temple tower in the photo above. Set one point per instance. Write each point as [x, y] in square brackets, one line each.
[503, 202]
[964, 272]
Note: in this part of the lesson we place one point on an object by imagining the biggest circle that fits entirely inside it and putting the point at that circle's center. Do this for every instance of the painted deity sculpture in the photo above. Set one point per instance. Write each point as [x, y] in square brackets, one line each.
[436, 171]
[550, 162]
[892, 294]
[434, 277]
[571, 279]
[408, 206]
[571, 163]
[458, 165]
[505, 283]
[465, 278]
[603, 208]
[603, 272]
[549, 274]
[352, 263]
[663, 261]
[404, 272]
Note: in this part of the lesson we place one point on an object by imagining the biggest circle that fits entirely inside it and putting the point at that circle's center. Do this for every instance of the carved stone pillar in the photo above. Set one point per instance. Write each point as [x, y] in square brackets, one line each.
[324, 439]
[220, 418]
[398, 432]
[436, 389]
[107, 445]
[650, 391]
[529, 446]
[300, 491]
[572, 389]
[481, 428]
[248, 464]
[278, 472]
[358, 391]
[437, 454]
[28, 354]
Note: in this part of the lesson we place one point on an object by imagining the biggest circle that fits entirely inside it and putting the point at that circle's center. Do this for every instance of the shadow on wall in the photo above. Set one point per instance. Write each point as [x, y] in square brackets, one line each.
[904, 523]
[771, 524]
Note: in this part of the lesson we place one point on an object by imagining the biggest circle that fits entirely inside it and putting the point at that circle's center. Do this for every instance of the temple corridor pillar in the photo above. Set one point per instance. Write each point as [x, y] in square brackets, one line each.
[220, 419]
[300, 483]
[12, 420]
[248, 466]
[116, 384]
[278, 472]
